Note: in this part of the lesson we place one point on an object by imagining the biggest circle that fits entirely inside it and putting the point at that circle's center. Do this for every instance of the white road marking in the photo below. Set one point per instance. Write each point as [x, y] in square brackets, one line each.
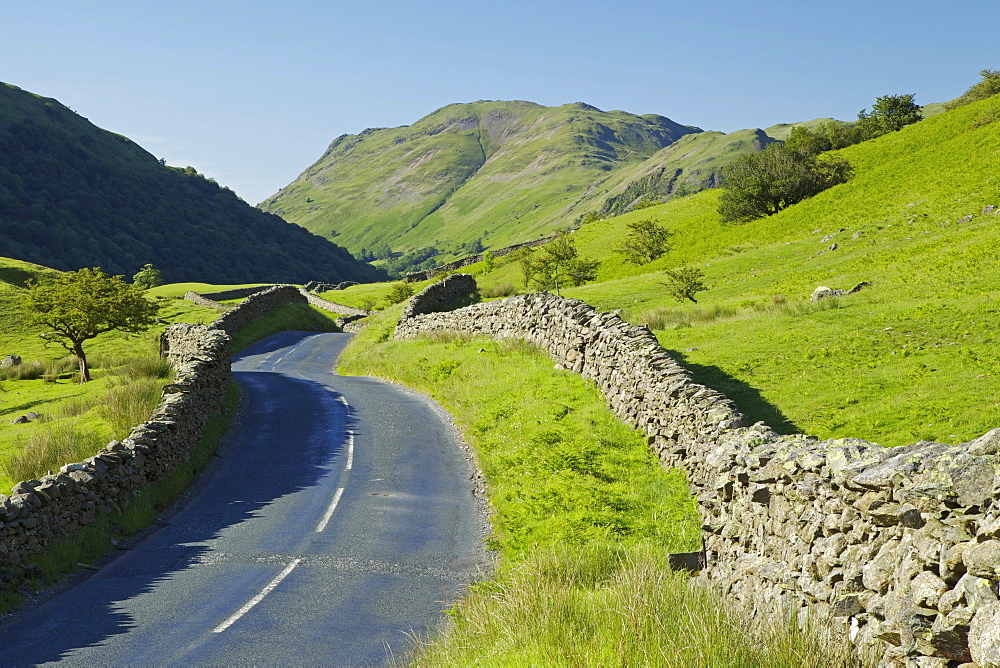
[258, 598]
[350, 451]
[329, 511]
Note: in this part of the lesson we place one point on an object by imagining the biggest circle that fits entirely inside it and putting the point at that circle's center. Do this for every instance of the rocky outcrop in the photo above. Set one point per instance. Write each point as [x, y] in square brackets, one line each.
[897, 548]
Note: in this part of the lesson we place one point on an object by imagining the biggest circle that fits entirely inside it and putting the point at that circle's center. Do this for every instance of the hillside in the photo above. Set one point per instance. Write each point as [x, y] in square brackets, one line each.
[74, 195]
[501, 172]
[489, 174]
[911, 357]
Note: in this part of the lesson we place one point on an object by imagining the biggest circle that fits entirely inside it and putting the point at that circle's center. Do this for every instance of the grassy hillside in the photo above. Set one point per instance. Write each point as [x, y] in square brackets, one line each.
[911, 357]
[73, 195]
[500, 171]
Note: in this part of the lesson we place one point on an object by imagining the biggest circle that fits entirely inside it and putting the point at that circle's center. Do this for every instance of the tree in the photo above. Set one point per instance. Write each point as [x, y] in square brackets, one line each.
[763, 183]
[79, 305]
[646, 241]
[147, 277]
[558, 263]
[988, 87]
[684, 283]
[889, 114]
[399, 292]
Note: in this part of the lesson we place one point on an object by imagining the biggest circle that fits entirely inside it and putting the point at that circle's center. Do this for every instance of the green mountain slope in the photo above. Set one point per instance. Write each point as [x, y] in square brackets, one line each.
[913, 356]
[74, 195]
[497, 171]
[692, 163]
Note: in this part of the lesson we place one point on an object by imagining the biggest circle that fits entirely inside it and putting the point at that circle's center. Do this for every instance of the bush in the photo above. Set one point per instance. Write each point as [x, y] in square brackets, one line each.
[763, 183]
[398, 293]
[988, 87]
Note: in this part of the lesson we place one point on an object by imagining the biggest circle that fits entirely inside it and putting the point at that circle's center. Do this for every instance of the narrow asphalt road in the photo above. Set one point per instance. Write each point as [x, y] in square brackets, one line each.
[339, 520]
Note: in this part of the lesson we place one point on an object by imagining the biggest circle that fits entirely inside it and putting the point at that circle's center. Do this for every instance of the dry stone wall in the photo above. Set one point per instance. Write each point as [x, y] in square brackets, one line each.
[898, 547]
[262, 299]
[40, 513]
[415, 276]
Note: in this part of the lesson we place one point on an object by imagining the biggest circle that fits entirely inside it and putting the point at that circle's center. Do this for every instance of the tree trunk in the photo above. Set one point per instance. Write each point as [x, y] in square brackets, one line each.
[81, 358]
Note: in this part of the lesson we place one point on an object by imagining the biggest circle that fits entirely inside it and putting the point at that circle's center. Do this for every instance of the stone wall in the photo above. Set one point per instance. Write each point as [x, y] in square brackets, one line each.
[415, 276]
[440, 296]
[235, 293]
[202, 300]
[898, 547]
[262, 299]
[39, 513]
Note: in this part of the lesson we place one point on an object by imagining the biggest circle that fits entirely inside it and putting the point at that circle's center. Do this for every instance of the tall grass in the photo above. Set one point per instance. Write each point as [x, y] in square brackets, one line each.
[34, 370]
[601, 605]
[129, 401]
[49, 449]
[71, 433]
[672, 317]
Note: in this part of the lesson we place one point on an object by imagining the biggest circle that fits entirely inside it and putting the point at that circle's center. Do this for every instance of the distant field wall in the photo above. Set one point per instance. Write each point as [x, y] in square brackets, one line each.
[272, 295]
[428, 274]
[898, 548]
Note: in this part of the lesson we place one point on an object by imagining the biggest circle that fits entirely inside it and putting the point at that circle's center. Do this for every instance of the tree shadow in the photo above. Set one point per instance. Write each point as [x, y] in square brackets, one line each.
[747, 398]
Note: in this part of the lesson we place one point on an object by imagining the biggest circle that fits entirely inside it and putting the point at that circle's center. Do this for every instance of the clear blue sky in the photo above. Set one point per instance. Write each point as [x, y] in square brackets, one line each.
[251, 92]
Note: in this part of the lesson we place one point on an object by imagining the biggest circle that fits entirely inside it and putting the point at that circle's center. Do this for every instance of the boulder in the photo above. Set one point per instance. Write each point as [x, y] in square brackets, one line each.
[822, 292]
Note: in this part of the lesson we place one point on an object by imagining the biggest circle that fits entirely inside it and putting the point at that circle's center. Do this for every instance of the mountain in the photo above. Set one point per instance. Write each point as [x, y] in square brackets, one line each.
[499, 172]
[74, 195]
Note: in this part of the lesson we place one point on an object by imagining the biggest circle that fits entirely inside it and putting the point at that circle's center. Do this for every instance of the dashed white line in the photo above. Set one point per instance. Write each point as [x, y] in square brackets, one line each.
[350, 451]
[258, 598]
[329, 511]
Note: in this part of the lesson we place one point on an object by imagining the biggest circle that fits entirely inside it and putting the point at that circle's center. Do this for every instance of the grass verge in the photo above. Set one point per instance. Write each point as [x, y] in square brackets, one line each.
[584, 517]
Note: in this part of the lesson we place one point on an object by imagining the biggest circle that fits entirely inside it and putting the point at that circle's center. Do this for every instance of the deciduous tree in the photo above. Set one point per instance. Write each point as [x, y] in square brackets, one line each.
[763, 183]
[646, 241]
[889, 113]
[147, 277]
[684, 283]
[79, 305]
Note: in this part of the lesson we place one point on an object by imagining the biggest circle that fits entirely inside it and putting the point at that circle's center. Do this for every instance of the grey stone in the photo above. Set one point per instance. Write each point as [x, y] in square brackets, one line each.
[987, 444]
[984, 636]
[10, 361]
[823, 292]
[983, 559]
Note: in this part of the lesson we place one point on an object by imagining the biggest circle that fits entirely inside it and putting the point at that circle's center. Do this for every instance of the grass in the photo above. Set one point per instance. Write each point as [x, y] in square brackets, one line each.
[911, 357]
[583, 518]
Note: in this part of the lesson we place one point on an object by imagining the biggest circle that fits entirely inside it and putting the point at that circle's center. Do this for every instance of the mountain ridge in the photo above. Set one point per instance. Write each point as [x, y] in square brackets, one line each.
[465, 161]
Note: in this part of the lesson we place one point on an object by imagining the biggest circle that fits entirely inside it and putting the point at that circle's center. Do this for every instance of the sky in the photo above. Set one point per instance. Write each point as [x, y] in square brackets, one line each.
[251, 93]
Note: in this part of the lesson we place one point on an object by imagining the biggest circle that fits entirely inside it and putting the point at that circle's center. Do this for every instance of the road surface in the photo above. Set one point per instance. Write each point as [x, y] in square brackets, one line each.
[339, 520]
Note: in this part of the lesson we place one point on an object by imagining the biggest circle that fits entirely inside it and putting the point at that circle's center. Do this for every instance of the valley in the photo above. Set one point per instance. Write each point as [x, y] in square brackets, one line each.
[910, 361]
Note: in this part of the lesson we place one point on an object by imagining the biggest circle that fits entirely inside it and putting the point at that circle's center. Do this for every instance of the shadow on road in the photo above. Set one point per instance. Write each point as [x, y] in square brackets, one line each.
[271, 451]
